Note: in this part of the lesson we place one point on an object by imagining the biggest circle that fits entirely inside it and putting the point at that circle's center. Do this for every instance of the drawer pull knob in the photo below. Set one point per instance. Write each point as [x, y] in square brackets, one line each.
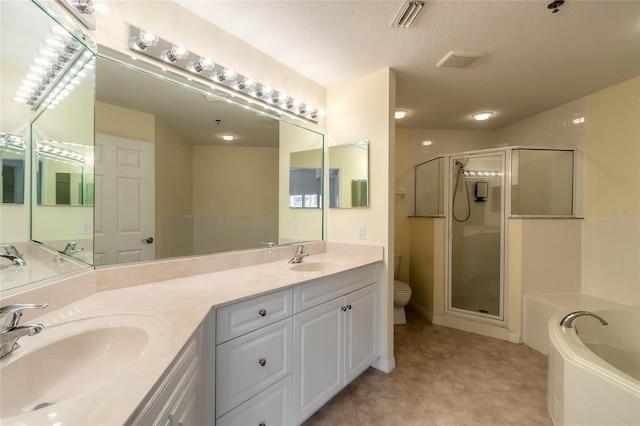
[348, 306]
[263, 424]
[262, 312]
[344, 308]
[262, 362]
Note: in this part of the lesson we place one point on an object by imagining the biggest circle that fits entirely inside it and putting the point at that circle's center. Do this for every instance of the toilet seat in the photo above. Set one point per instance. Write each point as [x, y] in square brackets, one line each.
[400, 287]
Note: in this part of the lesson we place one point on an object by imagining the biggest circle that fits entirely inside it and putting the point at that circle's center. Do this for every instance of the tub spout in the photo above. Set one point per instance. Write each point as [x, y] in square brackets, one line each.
[567, 321]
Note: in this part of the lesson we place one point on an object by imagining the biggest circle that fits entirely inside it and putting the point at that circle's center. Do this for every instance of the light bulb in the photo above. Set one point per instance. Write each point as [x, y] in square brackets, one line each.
[176, 53]
[226, 74]
[202, 64]
[246, 83]
[263, 91]
[146, 39]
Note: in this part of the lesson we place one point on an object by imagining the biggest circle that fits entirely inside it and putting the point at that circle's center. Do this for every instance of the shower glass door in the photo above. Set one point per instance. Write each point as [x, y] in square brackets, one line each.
[476, 229]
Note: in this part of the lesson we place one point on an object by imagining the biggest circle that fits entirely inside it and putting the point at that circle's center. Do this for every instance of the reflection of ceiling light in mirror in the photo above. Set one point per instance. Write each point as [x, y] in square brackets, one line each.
[578, 120]
[427, 143]
[227, 137]
[401, 113]
[481, 116]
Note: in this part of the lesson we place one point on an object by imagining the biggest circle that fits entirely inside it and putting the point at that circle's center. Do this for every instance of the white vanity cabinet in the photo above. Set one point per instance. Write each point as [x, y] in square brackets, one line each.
[335, 340]
[254, 361]
[174, 401]
[281, 356]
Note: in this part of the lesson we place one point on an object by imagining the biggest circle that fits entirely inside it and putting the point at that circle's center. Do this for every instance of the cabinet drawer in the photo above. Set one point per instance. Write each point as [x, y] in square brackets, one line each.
[319, 291]
[271, 407]
[247, 365]
[243, 317]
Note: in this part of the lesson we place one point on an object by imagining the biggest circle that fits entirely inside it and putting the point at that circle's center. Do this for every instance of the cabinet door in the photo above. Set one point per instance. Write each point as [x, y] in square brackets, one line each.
[318, 356]
[361, 339]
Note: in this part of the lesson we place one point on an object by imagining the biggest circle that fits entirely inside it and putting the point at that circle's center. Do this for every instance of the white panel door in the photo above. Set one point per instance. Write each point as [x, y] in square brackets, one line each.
[124, 200]
[361, 341]
[318, 356]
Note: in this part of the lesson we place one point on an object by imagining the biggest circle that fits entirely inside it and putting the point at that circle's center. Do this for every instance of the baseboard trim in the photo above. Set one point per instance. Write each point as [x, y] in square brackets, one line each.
[422, 311]
[514, 338]
[384, 365]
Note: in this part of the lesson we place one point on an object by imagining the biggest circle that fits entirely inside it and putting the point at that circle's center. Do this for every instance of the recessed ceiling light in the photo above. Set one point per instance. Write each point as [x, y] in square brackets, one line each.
[401, 113]
[481, 116]
[427, 143]
[228, 137]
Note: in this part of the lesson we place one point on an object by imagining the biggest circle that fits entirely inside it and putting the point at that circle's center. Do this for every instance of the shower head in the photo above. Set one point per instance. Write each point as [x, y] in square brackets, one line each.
[460, 164]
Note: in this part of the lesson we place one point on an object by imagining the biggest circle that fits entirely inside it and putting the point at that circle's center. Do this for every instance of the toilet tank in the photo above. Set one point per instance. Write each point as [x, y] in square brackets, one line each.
[396, 266]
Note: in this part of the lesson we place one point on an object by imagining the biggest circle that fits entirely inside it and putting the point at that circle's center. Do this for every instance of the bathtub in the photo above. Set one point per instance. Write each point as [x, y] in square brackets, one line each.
[594, 373]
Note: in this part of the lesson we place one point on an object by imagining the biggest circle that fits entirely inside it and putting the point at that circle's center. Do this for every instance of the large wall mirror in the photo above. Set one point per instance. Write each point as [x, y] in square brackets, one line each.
[168, 184]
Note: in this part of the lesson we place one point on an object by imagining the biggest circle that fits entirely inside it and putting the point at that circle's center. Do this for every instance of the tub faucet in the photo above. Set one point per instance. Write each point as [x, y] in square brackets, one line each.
[300, 255]
[10, 331]
[11, 253]
[567, 321]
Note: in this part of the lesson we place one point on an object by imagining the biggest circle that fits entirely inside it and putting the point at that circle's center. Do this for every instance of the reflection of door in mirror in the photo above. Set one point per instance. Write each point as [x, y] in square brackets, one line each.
[351, 165]
[124, 200]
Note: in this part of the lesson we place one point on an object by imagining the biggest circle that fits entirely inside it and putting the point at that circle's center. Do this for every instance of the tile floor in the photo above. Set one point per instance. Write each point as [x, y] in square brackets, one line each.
[445, 377]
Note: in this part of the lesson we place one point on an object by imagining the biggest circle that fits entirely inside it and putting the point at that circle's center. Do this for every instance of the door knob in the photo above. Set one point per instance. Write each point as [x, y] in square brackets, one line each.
[147, 240]
[262, 362]
[262, 312]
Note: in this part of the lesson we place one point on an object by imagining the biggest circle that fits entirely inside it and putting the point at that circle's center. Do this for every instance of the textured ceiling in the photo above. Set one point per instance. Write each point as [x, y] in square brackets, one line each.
[534, 59]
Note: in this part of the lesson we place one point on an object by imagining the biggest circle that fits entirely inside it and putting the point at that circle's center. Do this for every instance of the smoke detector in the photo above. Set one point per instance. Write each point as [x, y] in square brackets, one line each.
[459, 59]
[408, 13]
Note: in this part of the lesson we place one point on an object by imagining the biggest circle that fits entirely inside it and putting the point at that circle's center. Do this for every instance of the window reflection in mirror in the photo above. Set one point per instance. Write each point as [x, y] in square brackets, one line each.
[206, 195]
[349, 175]
[12, 155]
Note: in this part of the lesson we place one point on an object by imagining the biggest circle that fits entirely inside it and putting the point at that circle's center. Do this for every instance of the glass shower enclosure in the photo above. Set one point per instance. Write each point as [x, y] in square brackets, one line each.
[476, 228]
[476, 192]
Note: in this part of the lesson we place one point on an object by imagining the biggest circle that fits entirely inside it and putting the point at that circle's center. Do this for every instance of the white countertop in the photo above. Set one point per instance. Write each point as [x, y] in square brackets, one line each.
[182, 304]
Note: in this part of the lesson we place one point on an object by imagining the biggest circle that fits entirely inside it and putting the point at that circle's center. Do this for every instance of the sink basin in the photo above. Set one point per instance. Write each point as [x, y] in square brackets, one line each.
[320, 265]
[65, 360]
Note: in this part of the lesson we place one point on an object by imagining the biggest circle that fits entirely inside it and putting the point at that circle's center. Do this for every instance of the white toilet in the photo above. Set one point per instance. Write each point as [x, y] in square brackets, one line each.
[401, 294]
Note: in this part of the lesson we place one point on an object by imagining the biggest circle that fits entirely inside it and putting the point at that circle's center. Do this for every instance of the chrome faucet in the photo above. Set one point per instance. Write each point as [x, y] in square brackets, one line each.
[10, 331]
[300, 254]
[72, 248]
[11, 253]
[567, 321]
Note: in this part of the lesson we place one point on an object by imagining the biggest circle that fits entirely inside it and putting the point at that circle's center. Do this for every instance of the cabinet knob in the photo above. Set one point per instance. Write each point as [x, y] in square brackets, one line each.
[262, 423]
[262, 362]
[348, 306]
[262, 312]
[344, 308]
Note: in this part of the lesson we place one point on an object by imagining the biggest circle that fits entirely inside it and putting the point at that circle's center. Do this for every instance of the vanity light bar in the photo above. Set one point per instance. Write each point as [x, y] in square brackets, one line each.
[56, 151]
[149, 44]
[478, 173]
[59, 53]
[12, 142]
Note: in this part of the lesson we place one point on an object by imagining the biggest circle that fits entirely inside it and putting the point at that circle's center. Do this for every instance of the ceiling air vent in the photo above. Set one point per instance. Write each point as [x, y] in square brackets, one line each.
[459, 59]
[408, 14]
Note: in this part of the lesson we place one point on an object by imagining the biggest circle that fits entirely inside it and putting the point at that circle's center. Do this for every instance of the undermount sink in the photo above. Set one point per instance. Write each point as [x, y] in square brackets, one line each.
[66, 360]
[319, 265]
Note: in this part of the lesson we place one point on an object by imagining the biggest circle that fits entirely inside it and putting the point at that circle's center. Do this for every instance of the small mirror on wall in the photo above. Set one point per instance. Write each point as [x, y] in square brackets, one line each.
[349, 175]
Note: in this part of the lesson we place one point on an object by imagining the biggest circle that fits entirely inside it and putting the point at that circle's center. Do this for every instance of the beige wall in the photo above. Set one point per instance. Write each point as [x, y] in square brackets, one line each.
[124, 123]
[403, 229]
[230, 210]
[611, 230]
[359, 109]
[174, 191]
